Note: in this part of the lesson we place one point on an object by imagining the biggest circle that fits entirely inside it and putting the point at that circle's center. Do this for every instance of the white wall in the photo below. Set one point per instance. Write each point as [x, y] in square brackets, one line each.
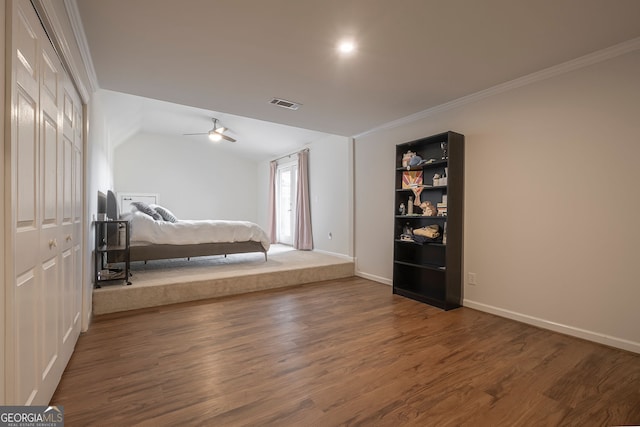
[262, 185]
[331, 190]
[98, 178]
[195, 179]
[551, 200]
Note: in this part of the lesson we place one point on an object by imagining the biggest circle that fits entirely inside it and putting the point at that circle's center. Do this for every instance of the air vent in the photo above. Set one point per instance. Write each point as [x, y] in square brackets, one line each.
[285, 104]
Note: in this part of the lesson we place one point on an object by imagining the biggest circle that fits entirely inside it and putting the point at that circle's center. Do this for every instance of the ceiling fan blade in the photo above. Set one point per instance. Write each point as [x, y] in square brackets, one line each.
[205, 133]
[228, 138]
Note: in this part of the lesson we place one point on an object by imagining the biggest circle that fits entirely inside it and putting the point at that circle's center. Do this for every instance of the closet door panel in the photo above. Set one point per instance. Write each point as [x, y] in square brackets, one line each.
[49, 171]
[67, 297]
[49, 89]
[26, 43]
[77, 294]
[67, 172]
[49, 137]
[49, 303]
[66, 227]
[49, 187]
[26, 161]
[26, 342]
[69, 158]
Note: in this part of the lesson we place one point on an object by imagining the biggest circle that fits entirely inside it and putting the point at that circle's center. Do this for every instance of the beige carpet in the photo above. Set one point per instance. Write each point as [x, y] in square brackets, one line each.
[171, 281]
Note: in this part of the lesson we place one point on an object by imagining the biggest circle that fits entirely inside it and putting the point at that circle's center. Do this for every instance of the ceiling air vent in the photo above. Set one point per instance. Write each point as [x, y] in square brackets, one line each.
[285, 104]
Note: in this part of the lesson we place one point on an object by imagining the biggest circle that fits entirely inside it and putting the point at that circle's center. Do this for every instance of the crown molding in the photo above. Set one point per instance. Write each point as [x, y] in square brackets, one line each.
[547, 73]
[78, 31]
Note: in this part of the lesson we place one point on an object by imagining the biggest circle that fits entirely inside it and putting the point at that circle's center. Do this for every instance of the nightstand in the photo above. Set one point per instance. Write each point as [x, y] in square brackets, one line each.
[112, 249]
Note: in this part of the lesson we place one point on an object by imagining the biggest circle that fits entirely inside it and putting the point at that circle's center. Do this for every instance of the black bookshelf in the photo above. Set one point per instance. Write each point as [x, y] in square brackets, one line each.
[430, 270]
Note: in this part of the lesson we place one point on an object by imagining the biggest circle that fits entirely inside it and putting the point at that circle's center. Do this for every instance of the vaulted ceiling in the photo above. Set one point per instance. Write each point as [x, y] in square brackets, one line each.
[412, 55]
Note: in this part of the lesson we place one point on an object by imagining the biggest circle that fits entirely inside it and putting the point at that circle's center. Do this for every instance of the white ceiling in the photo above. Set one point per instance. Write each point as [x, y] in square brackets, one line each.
[234, 56]
[127, 115]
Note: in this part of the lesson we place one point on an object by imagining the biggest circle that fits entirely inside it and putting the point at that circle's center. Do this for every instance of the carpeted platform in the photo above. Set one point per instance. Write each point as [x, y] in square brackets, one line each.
[171, 281]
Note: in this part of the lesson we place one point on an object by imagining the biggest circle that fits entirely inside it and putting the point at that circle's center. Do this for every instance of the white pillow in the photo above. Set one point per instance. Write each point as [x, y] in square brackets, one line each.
[144, 208]
[165, 213]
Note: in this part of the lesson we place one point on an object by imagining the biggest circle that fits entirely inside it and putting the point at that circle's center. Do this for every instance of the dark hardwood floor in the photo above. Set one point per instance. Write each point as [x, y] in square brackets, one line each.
[345, 352]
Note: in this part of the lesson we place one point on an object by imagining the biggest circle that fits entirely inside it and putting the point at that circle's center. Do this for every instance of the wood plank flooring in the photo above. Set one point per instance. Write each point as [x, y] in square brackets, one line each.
[344, 352]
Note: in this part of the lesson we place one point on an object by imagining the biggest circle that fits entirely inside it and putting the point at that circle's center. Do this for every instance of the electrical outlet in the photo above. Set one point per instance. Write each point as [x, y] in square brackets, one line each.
[472, 279]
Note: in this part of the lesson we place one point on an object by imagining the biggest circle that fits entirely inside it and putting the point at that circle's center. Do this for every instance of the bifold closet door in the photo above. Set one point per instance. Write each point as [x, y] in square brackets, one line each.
[41, 306]
[72, 216]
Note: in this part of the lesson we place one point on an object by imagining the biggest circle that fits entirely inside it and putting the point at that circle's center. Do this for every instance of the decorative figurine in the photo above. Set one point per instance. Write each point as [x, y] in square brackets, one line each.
[415, 160]
[403, 209]
[406, 157]
[407, 233]
[410, 205]
[445, 151]
[428, 209]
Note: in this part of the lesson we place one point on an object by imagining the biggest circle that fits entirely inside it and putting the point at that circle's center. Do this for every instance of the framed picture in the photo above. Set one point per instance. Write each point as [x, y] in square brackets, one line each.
[411, 179]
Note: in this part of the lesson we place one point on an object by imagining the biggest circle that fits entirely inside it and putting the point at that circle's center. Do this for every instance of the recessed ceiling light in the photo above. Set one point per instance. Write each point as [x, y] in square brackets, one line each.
[346, 47]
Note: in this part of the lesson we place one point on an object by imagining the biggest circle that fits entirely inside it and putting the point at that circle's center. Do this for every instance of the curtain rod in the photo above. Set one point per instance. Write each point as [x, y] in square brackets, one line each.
[290, 154]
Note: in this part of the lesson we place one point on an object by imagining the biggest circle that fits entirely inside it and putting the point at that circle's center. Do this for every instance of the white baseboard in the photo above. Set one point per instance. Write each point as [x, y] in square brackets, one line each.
[556, 327]
[343, 256]
[375, 278]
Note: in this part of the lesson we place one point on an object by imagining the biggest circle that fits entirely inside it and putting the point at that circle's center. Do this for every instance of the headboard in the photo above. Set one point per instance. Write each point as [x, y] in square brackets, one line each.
[112, 213]
[102, 204]
[125, 200]
[112, 206]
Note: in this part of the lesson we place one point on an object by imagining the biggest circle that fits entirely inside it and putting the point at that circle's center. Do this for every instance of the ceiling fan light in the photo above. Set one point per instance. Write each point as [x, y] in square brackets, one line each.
[215, 136]
[221, 129]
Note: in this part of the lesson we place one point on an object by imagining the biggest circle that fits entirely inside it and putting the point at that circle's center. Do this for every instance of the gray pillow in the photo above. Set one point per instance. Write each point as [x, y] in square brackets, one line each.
[165, 213]
[145, 208]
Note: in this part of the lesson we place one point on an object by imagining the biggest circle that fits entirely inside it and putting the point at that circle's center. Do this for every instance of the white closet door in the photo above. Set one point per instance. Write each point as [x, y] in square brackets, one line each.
[41, 309]
[52, 258]
[72, 213]
[23, 316]
[78, 207]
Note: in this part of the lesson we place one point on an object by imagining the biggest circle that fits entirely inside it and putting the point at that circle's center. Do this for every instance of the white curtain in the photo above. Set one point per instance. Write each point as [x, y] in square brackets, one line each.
[272, 201]
[302, 238]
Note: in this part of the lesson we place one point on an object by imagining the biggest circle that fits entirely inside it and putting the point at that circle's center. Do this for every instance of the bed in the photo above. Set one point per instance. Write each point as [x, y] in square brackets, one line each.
[153, 239]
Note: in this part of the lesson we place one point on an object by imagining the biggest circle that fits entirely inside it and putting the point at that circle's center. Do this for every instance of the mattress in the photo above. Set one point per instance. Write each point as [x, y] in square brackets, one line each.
[145, 230]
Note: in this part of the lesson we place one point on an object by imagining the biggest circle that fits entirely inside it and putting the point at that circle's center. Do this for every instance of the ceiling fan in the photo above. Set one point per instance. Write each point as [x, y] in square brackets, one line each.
[216, 134]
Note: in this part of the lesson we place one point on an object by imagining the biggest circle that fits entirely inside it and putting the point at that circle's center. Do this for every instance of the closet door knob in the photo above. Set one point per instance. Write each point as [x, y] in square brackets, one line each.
[69, 238]
[53, 244]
